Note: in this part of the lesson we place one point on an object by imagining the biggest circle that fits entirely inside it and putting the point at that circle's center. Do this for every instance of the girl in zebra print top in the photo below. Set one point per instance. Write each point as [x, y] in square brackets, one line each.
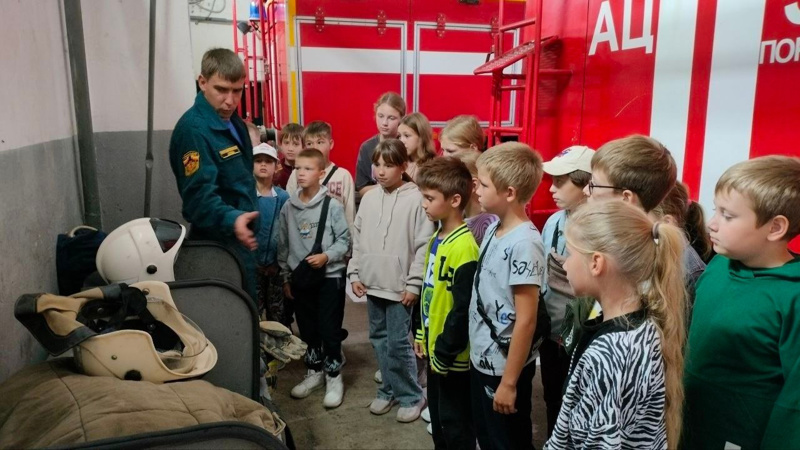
[625, 387]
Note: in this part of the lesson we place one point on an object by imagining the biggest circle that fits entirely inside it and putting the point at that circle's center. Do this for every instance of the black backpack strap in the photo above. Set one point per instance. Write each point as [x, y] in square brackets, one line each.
[323, 217]
[330, 174]
[503, 343]
[554, 243]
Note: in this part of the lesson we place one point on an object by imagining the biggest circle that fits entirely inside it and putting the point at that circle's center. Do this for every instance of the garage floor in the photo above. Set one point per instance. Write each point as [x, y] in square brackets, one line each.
[351, 426]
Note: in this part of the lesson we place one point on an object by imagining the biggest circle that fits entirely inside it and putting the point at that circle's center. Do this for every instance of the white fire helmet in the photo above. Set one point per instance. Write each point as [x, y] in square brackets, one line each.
[128, 332]
[142, 249]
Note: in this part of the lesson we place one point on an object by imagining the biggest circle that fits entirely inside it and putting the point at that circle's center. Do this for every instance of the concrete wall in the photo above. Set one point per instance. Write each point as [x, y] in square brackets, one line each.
[121, 175]
[116, 36]
[39, 184]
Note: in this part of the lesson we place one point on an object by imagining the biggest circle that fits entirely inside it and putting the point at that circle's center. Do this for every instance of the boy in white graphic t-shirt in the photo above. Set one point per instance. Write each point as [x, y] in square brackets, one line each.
[505, 299]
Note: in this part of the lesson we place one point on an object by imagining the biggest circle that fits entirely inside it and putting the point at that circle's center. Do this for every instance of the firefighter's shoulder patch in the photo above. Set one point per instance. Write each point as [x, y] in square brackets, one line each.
[191, 162]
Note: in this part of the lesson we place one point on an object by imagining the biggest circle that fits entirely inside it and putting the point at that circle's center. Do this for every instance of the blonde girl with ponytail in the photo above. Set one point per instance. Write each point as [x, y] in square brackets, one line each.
[460, 134]
[625, 385]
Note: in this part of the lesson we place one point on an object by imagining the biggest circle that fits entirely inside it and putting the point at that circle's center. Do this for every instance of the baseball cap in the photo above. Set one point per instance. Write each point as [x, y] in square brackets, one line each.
[577, 157]
[265, 149]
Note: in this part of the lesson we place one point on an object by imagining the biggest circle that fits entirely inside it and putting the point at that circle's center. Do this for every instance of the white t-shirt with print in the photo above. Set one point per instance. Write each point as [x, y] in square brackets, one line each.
[516, 258]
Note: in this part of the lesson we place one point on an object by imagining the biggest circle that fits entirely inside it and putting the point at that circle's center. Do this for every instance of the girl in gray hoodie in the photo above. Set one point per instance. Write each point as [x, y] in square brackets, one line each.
[390, 235]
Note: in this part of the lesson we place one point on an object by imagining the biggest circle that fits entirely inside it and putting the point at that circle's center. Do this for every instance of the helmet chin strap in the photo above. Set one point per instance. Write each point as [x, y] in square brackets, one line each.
[119, 302]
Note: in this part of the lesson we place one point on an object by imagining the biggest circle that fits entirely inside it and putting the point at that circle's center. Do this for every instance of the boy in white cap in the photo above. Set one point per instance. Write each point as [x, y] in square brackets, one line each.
[270, 201]
[571, 170]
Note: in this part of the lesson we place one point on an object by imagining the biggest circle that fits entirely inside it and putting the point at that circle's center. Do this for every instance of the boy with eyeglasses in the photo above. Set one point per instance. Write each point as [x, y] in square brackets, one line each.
[637, 169]
[640, 170]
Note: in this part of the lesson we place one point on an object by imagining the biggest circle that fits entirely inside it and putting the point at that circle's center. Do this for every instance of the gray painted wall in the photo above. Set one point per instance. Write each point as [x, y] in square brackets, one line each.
[40, 194]
[120, 167]
[40, 189]
[40, 197]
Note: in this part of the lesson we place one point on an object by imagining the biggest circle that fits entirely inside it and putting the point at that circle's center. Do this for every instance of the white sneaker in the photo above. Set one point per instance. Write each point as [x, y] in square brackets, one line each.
[378, 377]
[380, 406]
[426, 415]
[430, 429]
[313, 381]
[334, 391]
[408, 414]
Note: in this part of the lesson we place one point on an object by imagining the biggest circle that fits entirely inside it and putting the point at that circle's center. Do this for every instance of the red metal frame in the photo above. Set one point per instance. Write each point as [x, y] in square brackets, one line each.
[263, 29]
[530, 54]
[271, 82]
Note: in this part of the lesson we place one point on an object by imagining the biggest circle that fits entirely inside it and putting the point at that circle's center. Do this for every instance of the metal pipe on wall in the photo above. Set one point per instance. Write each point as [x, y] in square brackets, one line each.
[148, 161]
[83, 113]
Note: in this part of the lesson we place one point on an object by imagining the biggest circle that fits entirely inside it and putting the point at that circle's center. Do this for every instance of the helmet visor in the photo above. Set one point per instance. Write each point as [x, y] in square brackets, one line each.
[168, 233]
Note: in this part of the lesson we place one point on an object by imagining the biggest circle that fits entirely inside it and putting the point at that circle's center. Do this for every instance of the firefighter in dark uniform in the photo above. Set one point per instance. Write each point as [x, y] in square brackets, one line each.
[212, 158]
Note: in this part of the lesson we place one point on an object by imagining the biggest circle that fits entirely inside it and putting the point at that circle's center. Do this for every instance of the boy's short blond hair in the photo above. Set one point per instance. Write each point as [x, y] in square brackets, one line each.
[772, 184]
[316, 155]
[640, 164]
[513, 164]
[318, 128]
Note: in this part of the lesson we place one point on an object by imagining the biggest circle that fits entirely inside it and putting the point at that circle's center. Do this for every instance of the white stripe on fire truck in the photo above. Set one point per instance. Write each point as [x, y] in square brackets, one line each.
[731, 92]
[359, 60]
[673, 75]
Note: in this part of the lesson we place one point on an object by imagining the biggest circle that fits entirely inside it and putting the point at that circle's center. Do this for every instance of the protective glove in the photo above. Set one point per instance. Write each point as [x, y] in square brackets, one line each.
[279, 342]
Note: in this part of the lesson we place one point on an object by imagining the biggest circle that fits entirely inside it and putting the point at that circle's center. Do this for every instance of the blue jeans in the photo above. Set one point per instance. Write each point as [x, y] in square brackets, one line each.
[389, 325]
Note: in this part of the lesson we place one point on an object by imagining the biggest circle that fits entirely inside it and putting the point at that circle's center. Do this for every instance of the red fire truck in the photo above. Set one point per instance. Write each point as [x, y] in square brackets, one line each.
[714, 81]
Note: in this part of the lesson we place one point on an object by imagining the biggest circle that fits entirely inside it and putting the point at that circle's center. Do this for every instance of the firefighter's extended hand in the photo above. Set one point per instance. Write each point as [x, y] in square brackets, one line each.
[242, 231]
[287, 291]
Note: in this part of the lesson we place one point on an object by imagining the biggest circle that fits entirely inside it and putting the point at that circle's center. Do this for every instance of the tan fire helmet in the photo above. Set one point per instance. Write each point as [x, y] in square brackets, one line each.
[128, 332]
[139, 250]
